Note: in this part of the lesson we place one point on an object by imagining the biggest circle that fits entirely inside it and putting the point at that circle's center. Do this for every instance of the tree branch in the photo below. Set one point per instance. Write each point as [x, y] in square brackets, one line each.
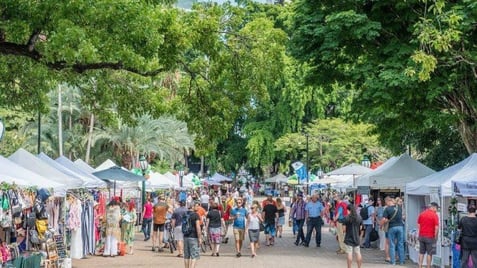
[28, 50]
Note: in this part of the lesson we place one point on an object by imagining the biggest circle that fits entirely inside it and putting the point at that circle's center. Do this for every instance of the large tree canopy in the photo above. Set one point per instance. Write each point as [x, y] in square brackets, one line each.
[374, 47]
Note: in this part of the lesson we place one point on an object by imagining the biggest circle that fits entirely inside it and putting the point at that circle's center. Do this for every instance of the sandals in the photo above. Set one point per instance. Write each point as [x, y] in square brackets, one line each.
[179, 256]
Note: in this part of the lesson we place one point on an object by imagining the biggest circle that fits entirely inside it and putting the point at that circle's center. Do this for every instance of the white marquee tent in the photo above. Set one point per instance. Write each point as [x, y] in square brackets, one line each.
[395, 173]
[158, 181]
[12, 173]
[90, 181]
[29, 161]
[437, 187]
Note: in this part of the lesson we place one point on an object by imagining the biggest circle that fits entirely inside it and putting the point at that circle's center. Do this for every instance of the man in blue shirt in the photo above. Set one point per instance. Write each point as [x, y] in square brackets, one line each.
[313, 213]
[239, 214]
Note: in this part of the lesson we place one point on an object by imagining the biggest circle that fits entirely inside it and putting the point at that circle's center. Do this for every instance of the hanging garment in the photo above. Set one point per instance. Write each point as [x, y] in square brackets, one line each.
[76, 247]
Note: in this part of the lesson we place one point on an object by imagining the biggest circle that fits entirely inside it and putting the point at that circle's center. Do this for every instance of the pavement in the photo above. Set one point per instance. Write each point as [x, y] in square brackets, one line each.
[284, 254]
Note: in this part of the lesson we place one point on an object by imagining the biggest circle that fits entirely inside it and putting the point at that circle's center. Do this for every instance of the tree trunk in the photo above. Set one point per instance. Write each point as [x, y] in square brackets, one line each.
[90, 138]
[60, 124]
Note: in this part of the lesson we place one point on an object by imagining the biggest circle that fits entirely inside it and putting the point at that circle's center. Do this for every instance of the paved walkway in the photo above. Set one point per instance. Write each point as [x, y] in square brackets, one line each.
[283, 255]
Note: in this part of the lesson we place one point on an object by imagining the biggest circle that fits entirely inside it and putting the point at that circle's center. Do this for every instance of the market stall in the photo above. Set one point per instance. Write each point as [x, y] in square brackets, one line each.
[438, 188]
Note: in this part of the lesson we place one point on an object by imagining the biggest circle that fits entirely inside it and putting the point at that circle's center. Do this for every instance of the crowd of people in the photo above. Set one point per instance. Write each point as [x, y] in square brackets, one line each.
[211, 216]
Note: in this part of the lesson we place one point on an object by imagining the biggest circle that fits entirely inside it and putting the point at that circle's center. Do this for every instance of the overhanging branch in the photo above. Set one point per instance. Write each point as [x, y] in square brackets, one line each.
[8, 48]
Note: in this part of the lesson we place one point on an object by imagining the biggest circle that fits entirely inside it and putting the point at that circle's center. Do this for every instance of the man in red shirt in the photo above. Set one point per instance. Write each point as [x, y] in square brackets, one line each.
[427, 226]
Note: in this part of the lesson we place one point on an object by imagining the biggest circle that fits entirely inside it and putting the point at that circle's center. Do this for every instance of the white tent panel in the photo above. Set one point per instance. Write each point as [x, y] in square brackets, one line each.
[466, 170]
[395, 173]
[105, 165]
[84, 166]
[90, 181]
[36, 165]
[11, 172]
[77, 182]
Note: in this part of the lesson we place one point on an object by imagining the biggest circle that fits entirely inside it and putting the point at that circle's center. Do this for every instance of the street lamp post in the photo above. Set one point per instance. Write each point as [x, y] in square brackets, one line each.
[2, 129]
[144, 165]
[365, 162]
[307, 164]
[181, 176]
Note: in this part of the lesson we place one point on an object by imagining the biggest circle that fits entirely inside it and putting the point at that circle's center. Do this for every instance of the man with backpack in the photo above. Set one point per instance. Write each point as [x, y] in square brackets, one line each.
[192, 237]
[367, 214]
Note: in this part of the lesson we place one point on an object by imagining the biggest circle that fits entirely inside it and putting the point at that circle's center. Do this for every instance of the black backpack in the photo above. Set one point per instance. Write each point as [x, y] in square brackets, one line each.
[187, 226]
[364, 213]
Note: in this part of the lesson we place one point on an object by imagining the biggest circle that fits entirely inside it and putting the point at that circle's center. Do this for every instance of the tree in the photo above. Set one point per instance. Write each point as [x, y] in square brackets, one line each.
[332, 143]
[370, 48]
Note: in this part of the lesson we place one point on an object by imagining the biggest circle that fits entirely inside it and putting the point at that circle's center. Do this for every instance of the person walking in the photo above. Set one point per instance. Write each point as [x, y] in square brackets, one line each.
[428, 228]
[298, 212]
[352, 223]
[159, 221]
[468, 227]
[127, 226]
[147, 219]
[270, 217]
[281, 208]
[379, 217]
[192, 238]
[313, 215]
[368, 223]
[239, 215]
[214, 225]
[253, 227]
[341, 211]
[393, 215]
[176, 221]
[113, 231]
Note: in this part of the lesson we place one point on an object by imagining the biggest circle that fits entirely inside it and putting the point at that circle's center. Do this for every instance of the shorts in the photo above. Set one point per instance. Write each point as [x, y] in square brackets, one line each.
[350, 249]
[281, 221]
[191, 248]
[178, 235]
[156, 226]
[270, 229]
[215, 235]
[239, 234]
[427, 245]
[253, 235]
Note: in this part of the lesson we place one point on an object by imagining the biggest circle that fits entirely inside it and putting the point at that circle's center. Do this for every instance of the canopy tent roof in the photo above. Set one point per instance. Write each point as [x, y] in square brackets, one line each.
[158, 181]
[84, 166]
[464, 171]
[118, 174]
[351, 169]
[105, 165]
[77, 182]
[11, 172]
[90, 180]
[35, 164]
[191, 180]
[279, 178]
[220, 178]
[395, 173]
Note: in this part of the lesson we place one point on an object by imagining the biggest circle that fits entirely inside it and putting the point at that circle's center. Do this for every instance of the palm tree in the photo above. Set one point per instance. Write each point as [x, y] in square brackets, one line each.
[165, 137]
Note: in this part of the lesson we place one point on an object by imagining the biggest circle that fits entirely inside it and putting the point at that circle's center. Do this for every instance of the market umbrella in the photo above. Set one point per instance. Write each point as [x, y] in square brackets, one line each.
[351, 169]
[116, 173]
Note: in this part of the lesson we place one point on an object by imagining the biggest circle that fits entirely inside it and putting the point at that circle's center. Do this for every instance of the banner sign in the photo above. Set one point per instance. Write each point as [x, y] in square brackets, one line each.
[300, 170]
[465, 188]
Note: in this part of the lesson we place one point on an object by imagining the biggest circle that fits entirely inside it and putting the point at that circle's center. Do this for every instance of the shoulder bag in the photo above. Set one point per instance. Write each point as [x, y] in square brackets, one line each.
[386, 225]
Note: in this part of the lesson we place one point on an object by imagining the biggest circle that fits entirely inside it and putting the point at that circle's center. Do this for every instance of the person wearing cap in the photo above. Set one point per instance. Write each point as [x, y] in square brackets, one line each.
[428, 228]
[468, 243]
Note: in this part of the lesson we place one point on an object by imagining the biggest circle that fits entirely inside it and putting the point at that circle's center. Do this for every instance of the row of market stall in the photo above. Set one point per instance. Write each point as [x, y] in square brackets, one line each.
[50, 209]
[454, 188]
